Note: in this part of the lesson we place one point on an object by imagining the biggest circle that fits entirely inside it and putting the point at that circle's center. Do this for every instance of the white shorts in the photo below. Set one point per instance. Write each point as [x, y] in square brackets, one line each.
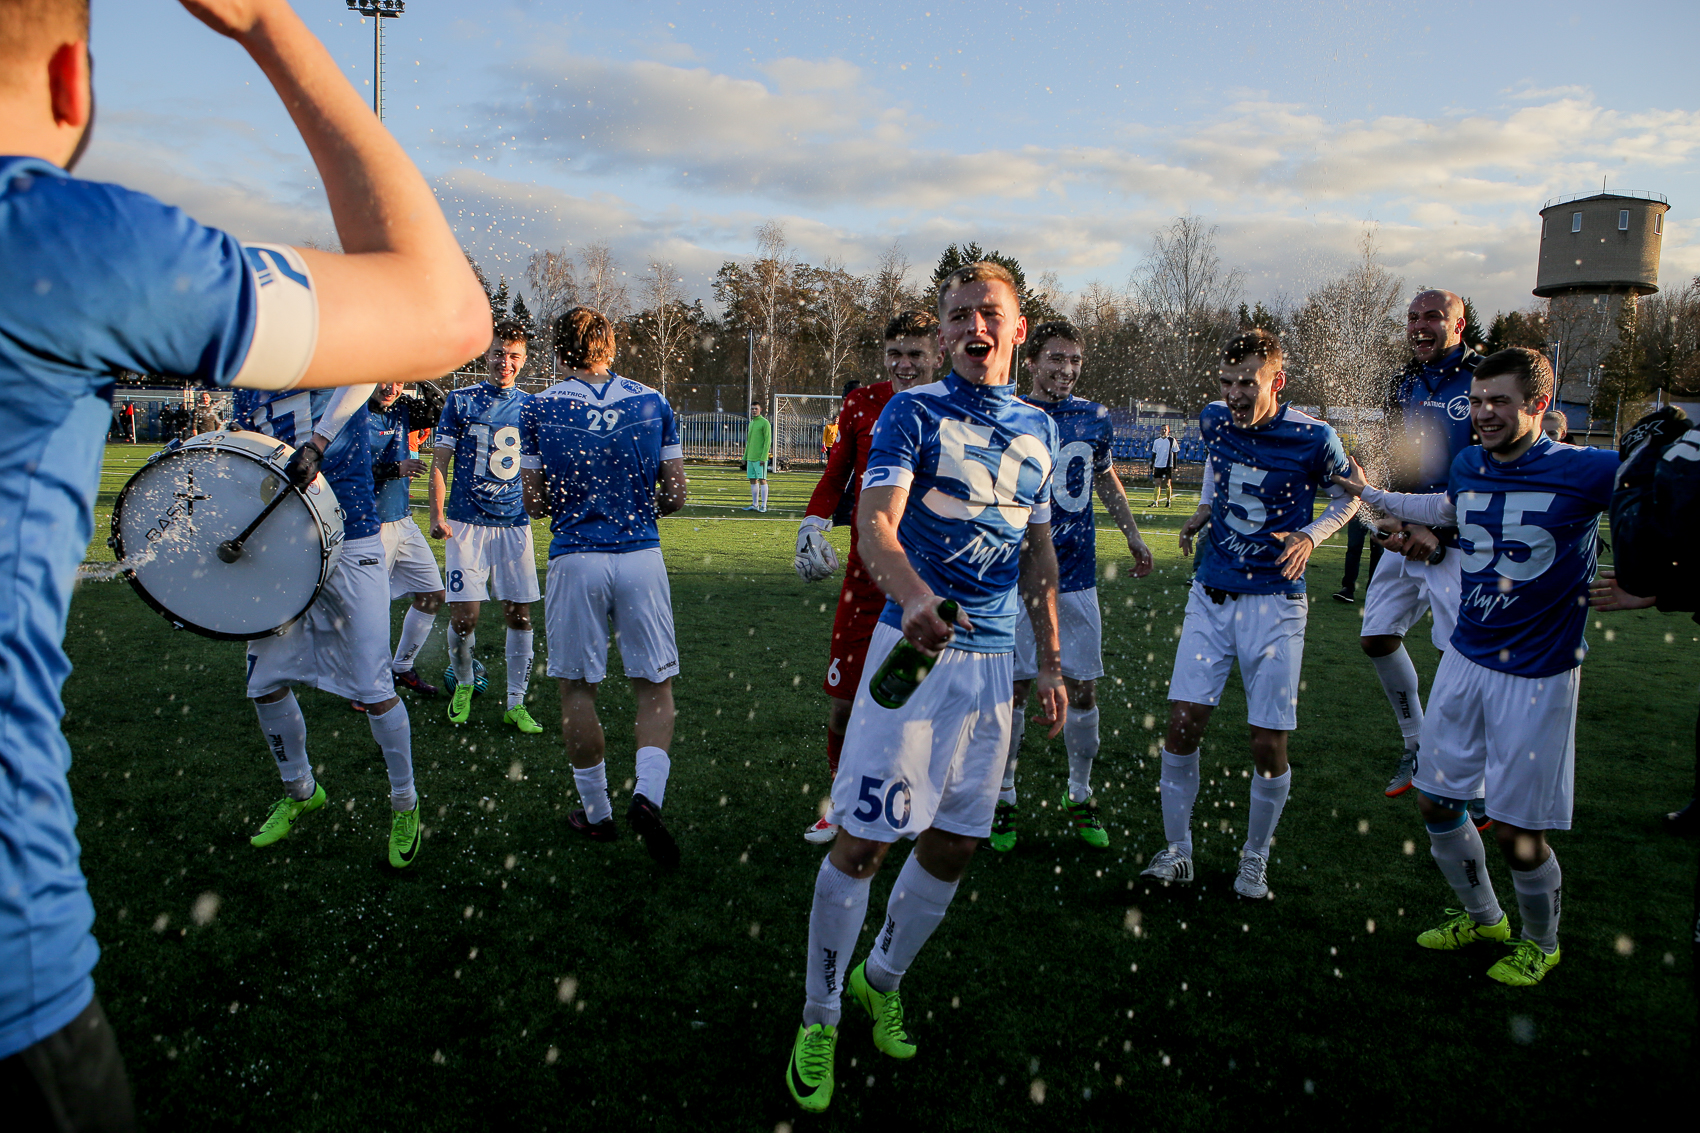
[408, 560]
[935, 762]
[1507, 739]
[482, 563]
[1266, 632]
[588, 588]
[1400, 590]
[341, 645]
[1080, 630]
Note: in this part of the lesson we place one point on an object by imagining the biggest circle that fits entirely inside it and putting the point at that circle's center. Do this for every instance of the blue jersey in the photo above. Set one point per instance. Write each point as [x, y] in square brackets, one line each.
[1526, 529]
[481, 424]
[387, 429]
[289, 415]
[977, 463]
[1433, 402]
[96, 279]
[600, 450]
[1266, 479]
[1083, 452]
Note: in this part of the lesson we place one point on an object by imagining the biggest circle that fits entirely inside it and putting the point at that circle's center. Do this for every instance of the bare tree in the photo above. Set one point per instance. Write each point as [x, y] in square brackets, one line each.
[554, 287]
[889, 291]
[1345, 345]
[774, 301]
[1187, 295]
[669, 328]
[601, 283]
[838, 311]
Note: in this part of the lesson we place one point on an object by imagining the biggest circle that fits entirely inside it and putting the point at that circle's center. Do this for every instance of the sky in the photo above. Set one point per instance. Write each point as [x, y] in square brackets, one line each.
[1065, 134]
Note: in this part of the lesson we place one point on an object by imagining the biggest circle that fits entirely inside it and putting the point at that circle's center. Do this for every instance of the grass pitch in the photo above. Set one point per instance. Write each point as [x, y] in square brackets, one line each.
[517, 977]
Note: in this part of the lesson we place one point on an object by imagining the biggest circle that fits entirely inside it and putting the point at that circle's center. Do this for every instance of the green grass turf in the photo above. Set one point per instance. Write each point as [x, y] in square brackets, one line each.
[516, 977]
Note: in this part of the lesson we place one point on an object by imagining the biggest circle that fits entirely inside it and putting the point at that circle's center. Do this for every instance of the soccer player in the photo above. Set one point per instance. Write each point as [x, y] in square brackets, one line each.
[911, 358]
[1164, 449]
[1502, 713]
[1428, 415]
[94, 283]
[959, 470]
[758, 446]
[600, 456]
[342, 644]
[490, 552]
[1266, 462]
[396, 417]
[1054, 359]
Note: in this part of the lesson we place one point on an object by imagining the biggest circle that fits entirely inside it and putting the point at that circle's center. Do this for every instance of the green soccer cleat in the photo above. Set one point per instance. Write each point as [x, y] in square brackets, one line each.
[479, 681]
[1086, 824]
[809, 1075]
[404, 837]
[460, 705]
[1003, 827]
[886, 1010]
[284, 814]
[1526, 966]
[521, 719]
[1463, 930]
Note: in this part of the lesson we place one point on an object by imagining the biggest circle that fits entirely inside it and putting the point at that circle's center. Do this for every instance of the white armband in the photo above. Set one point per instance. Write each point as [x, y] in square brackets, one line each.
[342, 408]
[286, 319]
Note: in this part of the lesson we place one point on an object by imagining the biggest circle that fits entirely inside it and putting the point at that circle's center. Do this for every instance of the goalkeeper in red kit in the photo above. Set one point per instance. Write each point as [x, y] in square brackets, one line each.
[911, 358]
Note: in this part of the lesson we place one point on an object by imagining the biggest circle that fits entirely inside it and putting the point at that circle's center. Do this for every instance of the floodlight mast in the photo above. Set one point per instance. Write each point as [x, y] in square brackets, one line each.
[379, 11]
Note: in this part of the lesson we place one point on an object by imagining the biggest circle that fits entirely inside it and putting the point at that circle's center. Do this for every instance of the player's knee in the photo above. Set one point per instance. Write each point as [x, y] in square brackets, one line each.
[1082, 695]
[1440, 814]
[429, 604]
[518, 615]
[1381, 644]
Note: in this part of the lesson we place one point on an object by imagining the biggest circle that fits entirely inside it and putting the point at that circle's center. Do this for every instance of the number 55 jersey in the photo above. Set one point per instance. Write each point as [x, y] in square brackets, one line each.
[481, 424]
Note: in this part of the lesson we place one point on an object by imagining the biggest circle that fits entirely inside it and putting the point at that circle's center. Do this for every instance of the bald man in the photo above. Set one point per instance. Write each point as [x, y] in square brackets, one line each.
[1428, 417]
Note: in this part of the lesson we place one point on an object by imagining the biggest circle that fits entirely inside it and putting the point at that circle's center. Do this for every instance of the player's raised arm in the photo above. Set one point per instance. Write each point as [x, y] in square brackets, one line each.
[401, 296]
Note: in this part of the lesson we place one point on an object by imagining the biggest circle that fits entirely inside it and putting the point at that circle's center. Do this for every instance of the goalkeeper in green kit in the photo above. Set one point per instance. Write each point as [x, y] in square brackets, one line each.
[758, 445]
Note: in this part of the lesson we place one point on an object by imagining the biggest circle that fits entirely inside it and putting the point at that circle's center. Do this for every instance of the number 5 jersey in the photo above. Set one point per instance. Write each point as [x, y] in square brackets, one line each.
[481, 424]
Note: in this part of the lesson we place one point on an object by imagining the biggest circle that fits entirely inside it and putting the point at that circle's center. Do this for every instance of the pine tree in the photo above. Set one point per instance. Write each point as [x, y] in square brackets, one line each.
[523, 314]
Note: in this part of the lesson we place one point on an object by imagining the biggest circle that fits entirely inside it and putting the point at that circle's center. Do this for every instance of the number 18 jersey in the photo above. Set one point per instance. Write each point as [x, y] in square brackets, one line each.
[481, 424]
[1266, 479]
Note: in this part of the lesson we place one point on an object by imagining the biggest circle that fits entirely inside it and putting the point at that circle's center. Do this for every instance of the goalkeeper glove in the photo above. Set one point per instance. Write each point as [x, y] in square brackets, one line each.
[816, 560]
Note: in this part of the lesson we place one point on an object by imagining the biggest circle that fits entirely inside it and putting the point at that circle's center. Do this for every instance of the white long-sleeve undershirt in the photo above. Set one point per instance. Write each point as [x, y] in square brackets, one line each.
[1431, 509]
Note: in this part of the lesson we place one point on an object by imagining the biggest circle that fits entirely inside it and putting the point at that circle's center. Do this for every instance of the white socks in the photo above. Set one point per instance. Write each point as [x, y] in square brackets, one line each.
[519, 665]
[652, 768]
[1463, 862]
[835, 920]
[395, 738]
[1268, 797]
[593, 790]
[1178, 789]
[285, 730]
[460, 655]
[1080, 737]
[917, 905]
[755, 493]
[763, 487]
[1538, 893]
[415, 628]
[1399, 682]
[1017, 729]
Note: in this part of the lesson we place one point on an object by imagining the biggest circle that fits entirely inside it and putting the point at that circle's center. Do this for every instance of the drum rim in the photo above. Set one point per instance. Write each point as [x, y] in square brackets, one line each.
[116, 542]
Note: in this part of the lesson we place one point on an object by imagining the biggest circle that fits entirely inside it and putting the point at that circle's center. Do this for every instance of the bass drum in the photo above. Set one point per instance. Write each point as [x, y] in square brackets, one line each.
[189, 498]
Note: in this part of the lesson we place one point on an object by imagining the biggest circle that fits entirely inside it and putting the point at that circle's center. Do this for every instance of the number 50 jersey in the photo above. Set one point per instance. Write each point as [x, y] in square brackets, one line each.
[977, 462]
[1083, 454]
[481, 424]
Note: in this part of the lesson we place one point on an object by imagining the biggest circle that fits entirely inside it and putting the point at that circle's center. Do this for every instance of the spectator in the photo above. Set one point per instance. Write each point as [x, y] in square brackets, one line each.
[206, 416]
[1554, 425]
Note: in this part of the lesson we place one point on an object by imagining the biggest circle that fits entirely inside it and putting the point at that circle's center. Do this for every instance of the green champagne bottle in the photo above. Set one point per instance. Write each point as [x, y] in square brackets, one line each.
[905, 667]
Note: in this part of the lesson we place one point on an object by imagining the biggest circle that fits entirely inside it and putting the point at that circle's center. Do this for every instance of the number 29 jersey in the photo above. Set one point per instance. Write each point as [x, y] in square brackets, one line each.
[600, 450]
[289, 415]
[1083, 452]
[1527, 531]
[1266, 479]
[977, 463]
[481, 424]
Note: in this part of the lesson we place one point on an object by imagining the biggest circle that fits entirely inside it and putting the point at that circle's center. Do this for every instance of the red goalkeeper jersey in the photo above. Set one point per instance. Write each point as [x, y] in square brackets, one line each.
[849, 457]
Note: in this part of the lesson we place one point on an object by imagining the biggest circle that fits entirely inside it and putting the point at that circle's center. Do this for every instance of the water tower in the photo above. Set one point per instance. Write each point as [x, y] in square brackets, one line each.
[1596, 252]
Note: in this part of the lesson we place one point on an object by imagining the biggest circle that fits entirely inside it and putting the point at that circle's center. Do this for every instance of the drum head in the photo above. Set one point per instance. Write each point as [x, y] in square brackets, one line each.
[173, 514]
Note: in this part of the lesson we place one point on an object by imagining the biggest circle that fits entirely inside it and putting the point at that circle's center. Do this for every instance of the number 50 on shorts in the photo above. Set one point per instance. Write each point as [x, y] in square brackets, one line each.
[889, 797]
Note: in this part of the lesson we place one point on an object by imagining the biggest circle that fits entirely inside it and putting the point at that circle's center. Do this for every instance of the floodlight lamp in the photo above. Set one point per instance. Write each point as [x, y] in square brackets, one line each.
[378, 8]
